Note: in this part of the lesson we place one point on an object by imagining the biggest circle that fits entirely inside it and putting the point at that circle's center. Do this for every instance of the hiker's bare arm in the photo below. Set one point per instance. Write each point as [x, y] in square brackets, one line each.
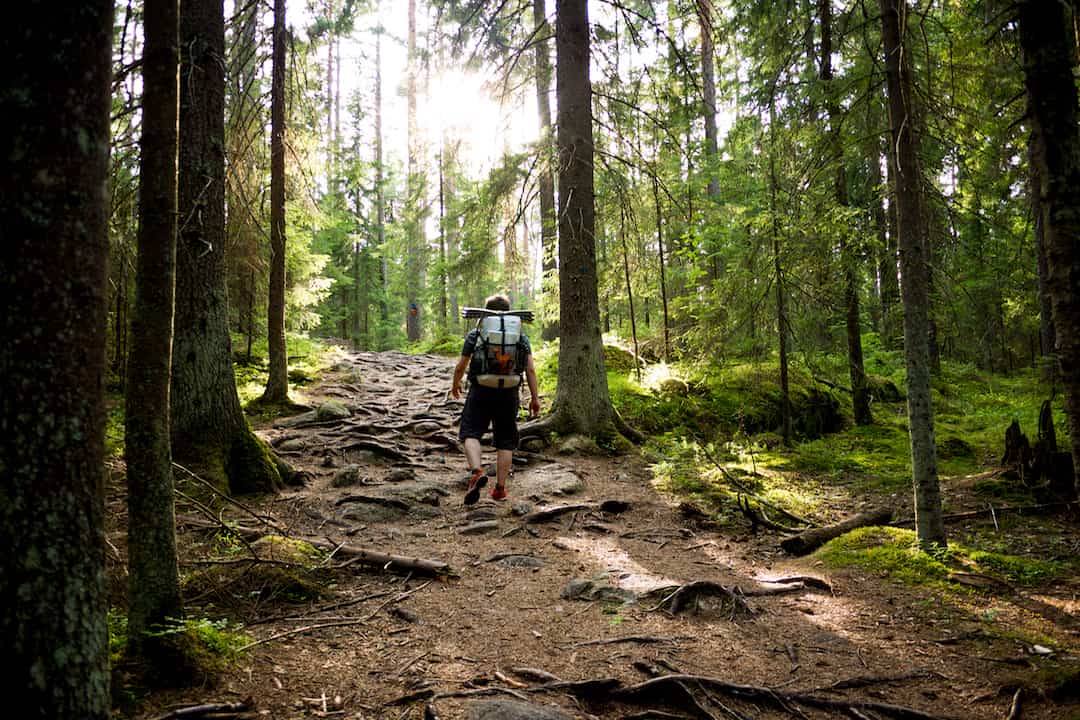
[459, 373]
[534, 388]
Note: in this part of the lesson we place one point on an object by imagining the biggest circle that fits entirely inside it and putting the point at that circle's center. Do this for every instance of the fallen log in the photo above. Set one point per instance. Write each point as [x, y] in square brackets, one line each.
[991, 510]
[809, 540]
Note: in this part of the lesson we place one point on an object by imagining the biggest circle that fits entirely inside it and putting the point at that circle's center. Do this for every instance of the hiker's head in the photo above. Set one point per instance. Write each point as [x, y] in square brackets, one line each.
[497, 302]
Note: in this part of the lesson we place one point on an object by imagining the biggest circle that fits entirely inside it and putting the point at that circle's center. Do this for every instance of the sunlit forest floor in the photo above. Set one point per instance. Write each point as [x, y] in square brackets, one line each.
[627, 584]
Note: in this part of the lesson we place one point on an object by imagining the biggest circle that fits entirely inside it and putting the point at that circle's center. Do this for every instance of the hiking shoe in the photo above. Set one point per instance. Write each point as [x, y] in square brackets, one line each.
[498, 493]
[477, 480]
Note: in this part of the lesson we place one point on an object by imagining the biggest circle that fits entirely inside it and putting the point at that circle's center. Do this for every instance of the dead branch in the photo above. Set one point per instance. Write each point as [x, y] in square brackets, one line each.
[746, 489]
[644, 639]
[867, 680]
[217, 709]
[806, 542]
[1018, 509]
[1017, 703]
[337, 623]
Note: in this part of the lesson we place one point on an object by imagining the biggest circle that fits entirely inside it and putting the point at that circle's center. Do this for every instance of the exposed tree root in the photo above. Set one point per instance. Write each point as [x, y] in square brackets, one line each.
[216, 710]
[688, 597]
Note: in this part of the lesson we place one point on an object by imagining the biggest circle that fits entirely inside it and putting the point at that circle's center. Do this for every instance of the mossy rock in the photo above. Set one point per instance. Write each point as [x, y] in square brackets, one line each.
[954, 447]
[577, 445]
[333, 410]
[815, 413]
[617, 358]
[674, 386]
[291, 550]
[882, 389]
[300, 376]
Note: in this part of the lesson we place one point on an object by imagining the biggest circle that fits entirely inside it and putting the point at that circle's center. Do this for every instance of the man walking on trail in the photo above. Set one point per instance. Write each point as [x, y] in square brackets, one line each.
[494, 406]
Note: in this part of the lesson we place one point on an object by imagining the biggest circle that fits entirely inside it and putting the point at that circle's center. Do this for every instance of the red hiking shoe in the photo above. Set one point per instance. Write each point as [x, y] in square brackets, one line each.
[477, 480]
[498, 493]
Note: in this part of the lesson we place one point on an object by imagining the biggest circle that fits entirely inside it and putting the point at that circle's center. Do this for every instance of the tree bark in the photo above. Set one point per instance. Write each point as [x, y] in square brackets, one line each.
[663, 269]
[860, 395]
[53, 298]
[548, 237]
[209, 431]
[914, 271]
[153, 574]
[414, 252]
[277, 384]
[810, 540]
[708, 90]
[380, 192]
[582, 403]
[1049, 54]
[778, 279]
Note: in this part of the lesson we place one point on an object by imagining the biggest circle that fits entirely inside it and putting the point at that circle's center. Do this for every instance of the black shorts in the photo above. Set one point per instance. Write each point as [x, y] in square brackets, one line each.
[497, 407]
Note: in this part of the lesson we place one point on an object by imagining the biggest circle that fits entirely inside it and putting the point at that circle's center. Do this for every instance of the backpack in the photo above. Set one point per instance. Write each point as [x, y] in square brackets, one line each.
[499, 356]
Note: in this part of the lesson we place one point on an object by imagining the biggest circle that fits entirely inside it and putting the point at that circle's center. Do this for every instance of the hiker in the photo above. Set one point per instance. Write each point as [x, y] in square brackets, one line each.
[493, 398]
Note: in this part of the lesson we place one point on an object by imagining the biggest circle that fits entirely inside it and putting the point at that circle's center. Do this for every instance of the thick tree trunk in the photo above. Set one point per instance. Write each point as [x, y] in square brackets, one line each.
[53, 297]
[582, 403]
[778, 278]
[277, 384]
[210, 434]
[663, 270]
[1049, 57]
[914, 271]
[380, 194]
[708, 90]
[548, 238]
[415, 251]
[859, 394]
[1047, 337]
[153, 575]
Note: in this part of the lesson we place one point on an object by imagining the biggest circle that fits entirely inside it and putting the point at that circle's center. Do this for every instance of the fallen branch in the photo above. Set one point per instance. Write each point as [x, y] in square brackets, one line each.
[337, 623]
[395, 503]
[644, 639]
[746, 489]
[806, 542]
[549, 514]
[1019, 509]
[217, 709]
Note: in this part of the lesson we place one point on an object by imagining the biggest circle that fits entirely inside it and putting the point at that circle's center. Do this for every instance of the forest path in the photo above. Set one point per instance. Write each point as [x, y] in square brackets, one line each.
[579, 595]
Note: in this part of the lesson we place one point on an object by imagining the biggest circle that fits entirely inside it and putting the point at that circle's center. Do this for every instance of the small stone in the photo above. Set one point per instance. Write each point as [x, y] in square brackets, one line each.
[512, 710]
[521, 509]
[292, 444]
[522, 561]
[480, 514]
[401, 475]
[347, 477]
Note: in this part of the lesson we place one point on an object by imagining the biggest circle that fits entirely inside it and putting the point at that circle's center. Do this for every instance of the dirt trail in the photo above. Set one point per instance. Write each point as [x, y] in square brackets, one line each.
[580, 596]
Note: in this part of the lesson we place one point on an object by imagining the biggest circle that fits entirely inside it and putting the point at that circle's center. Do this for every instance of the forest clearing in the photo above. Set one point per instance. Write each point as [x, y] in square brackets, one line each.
[793, 289]
[561, 597]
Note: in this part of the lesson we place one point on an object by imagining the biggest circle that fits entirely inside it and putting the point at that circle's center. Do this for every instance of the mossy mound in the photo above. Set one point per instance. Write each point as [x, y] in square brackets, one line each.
[620, 359]
[285, 571]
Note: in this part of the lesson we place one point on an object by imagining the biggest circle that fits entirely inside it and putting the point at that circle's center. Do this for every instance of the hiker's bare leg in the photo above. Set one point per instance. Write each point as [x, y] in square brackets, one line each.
[472, 452]
[503, 460]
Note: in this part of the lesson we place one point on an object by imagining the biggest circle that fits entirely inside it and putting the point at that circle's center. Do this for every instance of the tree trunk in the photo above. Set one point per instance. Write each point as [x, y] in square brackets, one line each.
[1049, 58]
[277, 384]
[153, 574]
[582, 403]
[210, 434]
[663, 270]
[778, 279]
[380, 193]
[548, 238]
[1047, 338]
[415, 250]
[53, 298]
[708, 90]
[914, 271]
[859, 394]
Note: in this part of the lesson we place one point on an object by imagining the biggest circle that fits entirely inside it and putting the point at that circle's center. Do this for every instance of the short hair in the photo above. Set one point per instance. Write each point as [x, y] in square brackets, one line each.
[497, 302]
